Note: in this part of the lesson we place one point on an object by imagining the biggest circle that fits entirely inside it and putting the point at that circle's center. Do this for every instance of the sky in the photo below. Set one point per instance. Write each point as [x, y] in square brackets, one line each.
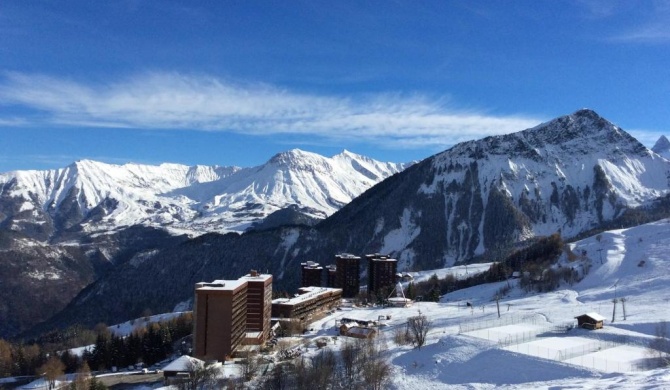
[234, 82]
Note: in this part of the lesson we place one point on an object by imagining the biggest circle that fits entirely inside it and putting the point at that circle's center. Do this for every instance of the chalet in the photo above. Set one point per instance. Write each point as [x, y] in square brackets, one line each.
[181, 368]
[353, 329]
[590, 321]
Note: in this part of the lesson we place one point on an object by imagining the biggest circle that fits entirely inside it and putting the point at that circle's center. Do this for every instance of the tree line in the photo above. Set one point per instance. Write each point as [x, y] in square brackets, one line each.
[148, 345]
[532, 261]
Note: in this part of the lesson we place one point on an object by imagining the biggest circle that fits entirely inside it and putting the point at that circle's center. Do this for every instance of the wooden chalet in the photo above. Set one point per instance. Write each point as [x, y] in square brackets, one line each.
[590, 321]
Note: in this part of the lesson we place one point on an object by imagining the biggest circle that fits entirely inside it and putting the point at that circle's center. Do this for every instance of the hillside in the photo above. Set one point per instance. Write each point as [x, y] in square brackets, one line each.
[473, 201]
[523, 349]
[531, 343]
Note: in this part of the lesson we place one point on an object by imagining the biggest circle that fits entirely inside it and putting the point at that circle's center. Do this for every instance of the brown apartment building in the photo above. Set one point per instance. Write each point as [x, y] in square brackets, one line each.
[311, 274]
[348, 274]
[309, 302]
[381, 273]
[220, 312]
[259, 307]
[331, 275]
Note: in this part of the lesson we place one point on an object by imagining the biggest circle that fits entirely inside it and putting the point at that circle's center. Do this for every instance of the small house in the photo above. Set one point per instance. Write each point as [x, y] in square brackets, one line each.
[360, 332]
[590, 321]
[181, 368]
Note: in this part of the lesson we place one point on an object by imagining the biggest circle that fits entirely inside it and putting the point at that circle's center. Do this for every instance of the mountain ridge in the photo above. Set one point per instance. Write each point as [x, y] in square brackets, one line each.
[93, 196]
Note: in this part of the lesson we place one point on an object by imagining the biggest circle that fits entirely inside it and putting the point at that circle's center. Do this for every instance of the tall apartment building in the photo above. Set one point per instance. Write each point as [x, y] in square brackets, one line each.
[348, 274]
[311, 274]
[259, 307]
[381, 272]
[331, 275]
[220, 313]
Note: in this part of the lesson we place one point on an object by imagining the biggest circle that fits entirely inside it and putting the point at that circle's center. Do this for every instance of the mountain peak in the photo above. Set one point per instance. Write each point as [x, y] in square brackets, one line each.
[293, 157]
[662, 145]
[587, 113]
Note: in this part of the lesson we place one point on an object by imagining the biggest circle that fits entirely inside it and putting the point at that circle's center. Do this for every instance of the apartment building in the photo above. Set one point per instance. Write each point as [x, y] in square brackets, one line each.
[220, 313]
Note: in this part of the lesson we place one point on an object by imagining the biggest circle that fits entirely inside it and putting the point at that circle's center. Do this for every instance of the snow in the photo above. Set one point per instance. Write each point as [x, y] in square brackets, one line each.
[126, 328]
[532, 344]
[533, 160]
[197, 199]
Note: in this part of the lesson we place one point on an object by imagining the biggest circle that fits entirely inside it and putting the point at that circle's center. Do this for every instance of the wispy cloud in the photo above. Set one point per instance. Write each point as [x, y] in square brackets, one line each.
[176, 101]
[648, 137]
[642, 23]
[654, 33]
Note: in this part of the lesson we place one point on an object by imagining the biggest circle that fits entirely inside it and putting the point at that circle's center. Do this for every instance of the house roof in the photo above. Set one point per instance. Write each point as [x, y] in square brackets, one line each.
[593, 315]
[357, 330]
[182, 364]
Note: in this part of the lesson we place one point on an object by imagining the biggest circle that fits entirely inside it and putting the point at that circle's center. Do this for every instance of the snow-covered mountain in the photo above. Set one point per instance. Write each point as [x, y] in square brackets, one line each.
[572, 174]
[94, 196]
[662, 147]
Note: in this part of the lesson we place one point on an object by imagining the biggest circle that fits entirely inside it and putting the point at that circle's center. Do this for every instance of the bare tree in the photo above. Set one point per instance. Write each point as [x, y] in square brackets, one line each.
[52, 369]
[6, 361]
[83, 378]
[351, 356]
[418, 328]
[376, 371]
[323, 369]
[401, 335]
[659, 346]
[250, 364]
[200, 376]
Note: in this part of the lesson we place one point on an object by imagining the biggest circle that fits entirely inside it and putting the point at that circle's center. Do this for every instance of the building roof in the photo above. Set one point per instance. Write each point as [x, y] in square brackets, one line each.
[258, 277]
[183, 364]
[221, 285]
[309, 293]
[360, 331]
[593, 315]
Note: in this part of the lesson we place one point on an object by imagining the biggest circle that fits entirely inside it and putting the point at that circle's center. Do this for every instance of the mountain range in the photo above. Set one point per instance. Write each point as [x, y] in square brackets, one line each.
[575, 174]
[89, 196]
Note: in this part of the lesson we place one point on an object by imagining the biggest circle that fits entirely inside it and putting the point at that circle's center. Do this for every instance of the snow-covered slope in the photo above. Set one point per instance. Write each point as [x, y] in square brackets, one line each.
[558, 169]
[97, 196]
[473, 347]
[572, 174]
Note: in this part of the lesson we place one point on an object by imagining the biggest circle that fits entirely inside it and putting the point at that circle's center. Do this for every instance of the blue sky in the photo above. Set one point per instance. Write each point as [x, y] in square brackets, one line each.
[234, 82]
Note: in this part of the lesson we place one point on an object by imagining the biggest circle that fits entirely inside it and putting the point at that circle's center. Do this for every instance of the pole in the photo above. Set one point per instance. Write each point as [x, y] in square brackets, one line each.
[623, 305]
[498, 304]
[614, 309]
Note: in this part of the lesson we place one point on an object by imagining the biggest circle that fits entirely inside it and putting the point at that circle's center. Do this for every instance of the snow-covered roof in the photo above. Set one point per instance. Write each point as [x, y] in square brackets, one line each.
[594, 316]
[258, 277]
[183, 363]
[221, 285]
[360, 331]
[308, 293]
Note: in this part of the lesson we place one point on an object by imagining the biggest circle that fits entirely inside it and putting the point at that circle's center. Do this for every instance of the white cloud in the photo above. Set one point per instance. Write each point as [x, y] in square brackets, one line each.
[175, 101]
[654, 33]
[647, 137]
